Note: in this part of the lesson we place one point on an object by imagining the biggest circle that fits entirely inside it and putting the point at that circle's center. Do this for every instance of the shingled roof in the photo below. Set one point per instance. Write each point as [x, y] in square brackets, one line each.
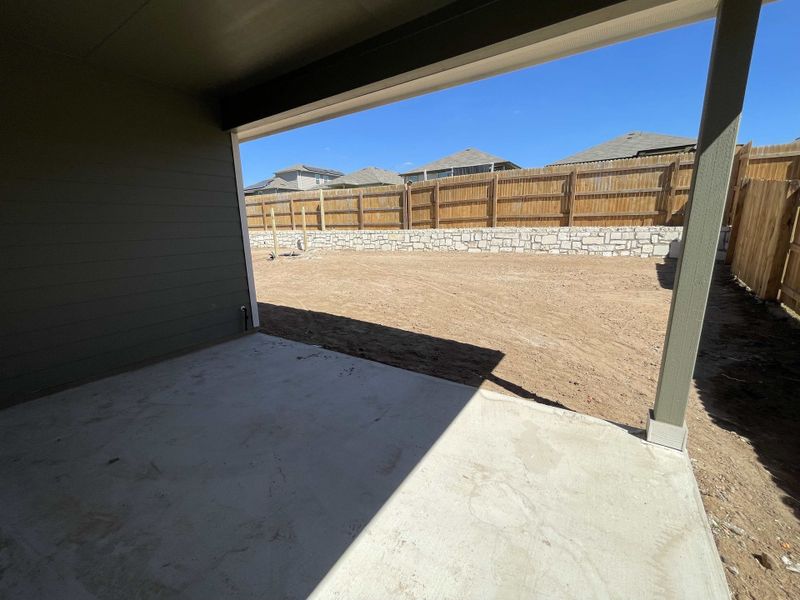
[310, 169]
[277, 184]
[635, 143]
[470, 157]
[365, 177]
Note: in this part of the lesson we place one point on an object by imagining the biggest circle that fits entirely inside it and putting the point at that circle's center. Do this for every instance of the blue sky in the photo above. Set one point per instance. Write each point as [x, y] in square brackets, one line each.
[538, 115]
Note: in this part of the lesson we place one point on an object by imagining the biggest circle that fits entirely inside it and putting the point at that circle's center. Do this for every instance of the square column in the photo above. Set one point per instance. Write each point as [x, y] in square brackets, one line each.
[727, 79]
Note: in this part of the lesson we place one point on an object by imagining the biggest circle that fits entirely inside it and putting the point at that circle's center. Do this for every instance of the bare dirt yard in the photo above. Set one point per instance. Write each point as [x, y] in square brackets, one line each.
[583, 333]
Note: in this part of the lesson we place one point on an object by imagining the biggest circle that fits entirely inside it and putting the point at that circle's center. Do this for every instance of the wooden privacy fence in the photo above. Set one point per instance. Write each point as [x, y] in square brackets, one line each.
[627, 192]
[642, 191]
[766, 250]
[376, 207]
[650, 190]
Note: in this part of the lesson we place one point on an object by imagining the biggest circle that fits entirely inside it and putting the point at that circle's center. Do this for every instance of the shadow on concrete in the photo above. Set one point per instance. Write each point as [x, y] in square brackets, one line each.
[438, 357]
[748, 374]
[244, 470]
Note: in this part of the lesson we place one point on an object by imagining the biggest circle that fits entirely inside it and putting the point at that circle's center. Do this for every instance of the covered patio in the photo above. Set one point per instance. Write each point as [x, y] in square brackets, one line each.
[264, 468]
[258, 467]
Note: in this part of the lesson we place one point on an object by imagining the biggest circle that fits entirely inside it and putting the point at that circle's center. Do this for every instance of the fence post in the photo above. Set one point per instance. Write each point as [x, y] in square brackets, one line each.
[406, 224]
[672, 185]
[305, 234]
[737, 217]
[291, 212]
[735, 200]
[274, 232]
[738, 174]
[360, 209]
[410, 211]
[321, 210]
[494, 199]
[435, 209]
[573, 184]
[404, 212]
[264, 214]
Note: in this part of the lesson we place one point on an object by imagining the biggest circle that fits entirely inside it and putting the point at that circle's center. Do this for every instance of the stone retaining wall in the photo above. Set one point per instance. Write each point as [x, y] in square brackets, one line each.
[603, 241]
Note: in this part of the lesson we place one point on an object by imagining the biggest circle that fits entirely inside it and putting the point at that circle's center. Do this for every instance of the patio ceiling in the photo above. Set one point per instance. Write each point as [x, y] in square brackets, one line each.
[320, 53]
[203, 46]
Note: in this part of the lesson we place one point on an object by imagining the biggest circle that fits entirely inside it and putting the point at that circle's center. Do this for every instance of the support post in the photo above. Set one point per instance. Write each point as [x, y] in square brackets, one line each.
[264, 213]
[291, 212]
[573, 184]
[321, 210]
[360, 209]
[727, 79]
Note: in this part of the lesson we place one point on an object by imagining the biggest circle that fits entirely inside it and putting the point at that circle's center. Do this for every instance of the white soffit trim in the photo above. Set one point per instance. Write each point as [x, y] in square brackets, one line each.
[617, 23]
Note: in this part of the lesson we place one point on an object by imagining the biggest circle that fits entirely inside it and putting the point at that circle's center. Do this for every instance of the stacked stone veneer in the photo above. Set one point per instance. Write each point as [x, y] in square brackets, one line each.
[602, 241]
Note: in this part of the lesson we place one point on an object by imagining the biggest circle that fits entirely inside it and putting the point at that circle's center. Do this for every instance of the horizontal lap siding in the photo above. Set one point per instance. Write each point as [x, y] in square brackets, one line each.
[120, 239]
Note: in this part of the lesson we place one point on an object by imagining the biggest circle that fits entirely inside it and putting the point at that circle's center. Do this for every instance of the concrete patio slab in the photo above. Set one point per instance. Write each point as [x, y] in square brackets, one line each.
[263, 468]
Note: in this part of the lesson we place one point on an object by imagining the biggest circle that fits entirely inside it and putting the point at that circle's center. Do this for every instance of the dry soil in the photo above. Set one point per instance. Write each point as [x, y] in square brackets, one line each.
[584, 333]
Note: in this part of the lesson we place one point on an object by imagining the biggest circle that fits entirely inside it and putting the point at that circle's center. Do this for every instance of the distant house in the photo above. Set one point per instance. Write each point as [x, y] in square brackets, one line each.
[630, 145]
[365, 177]
[465, 162]
[293, 178]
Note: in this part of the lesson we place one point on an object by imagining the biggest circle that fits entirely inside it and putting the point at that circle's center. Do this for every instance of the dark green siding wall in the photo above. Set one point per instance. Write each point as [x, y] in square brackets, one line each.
[120, 238]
